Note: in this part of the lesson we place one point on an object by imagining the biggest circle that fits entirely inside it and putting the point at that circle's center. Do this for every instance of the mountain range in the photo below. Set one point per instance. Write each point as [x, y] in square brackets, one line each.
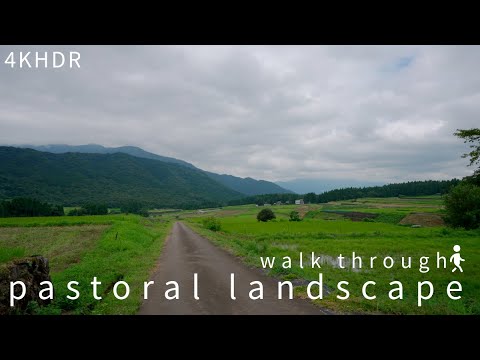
[73, 179]
[246, 186]
[77, 175]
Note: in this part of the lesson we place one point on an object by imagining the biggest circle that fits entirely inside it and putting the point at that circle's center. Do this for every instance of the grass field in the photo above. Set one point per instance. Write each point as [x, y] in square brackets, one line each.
[331, 234]
[111, 247]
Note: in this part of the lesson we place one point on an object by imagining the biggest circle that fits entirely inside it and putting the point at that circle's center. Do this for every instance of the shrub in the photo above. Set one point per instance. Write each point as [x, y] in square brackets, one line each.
[77, 212]
[212, 223]
[265, 215]
[96, 209]
[134, 207]
[295, 216]
[90, 209]
[462, 204]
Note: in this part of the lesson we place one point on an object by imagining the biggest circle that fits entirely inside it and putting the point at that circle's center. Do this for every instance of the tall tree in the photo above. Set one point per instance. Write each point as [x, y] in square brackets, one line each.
[462, 204]
[471, 136]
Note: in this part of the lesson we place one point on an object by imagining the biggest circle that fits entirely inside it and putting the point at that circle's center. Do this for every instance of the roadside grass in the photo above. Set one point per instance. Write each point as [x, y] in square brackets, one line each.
[125, 249]
[249, 239]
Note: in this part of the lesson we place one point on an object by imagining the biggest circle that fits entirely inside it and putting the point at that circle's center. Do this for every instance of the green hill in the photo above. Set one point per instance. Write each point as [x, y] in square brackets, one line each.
[99, 149]
[80, 178]
[246, 186]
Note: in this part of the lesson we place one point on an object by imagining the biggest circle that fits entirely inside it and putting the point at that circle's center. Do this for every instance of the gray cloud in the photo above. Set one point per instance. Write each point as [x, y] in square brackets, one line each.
[371, 113]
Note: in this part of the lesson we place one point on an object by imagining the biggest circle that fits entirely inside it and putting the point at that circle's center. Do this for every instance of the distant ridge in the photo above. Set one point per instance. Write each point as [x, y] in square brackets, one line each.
[99, 149]
[73, 179]
[246, 186]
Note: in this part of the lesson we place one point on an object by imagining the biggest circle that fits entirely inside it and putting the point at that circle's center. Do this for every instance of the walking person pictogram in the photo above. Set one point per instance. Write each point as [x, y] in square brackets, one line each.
[456, 258]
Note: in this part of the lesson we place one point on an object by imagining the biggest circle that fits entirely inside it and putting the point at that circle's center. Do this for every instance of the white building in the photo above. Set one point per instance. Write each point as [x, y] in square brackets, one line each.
[299, 202]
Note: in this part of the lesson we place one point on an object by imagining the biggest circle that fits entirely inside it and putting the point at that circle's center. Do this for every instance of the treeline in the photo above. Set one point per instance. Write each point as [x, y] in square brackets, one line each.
[411, 188]
[26, 207]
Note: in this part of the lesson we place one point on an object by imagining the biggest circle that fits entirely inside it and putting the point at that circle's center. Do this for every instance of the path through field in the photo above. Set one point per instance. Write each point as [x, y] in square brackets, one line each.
[186, 253]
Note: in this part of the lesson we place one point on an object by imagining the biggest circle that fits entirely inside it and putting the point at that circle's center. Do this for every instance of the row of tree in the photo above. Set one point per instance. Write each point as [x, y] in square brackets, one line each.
[26, 207]
[411, 188]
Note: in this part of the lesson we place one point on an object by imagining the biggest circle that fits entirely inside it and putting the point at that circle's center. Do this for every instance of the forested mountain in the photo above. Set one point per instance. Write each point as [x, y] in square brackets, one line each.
[99, 149]
[246, 186]
[113, 179]
[411, 188]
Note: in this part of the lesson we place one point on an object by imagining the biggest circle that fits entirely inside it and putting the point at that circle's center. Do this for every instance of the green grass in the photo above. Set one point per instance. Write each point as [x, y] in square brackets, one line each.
[62, 245]
[249, 239]
[7, 254]
[61, 220]
[248, 225]
[123, 248]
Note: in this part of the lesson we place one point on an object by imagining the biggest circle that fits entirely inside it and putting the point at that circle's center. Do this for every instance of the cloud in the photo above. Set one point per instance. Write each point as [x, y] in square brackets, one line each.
[371, 113]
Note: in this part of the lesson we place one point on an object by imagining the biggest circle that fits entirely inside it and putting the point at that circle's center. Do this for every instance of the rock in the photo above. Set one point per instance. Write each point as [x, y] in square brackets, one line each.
[31, 271]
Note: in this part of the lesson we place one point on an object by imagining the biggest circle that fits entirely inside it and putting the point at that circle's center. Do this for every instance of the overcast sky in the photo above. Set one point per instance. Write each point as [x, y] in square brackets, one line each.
[369, 113]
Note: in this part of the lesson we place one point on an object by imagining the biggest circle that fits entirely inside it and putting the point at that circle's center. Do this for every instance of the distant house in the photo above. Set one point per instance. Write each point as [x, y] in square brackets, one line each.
[299, 202]
[287, 202]
[266, 204]
[278, 203]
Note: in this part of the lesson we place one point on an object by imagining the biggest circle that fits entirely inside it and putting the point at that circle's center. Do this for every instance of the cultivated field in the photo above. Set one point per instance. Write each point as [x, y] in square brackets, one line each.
[344, 227]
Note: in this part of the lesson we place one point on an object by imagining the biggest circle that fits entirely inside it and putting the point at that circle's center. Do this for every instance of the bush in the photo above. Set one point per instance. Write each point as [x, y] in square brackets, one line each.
[295, 216]
[265, 215]
[143, 212]
[96, 209]
[462, 204]
[134, 207]
[77, 212]
[90, 209]
[212, 223]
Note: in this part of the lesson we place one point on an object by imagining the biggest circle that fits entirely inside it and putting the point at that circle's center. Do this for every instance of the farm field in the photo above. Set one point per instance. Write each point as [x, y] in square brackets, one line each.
[329, 230]
[110, 247]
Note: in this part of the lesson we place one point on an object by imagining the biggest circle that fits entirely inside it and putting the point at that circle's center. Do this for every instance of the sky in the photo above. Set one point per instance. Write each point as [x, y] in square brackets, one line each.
[367, 113]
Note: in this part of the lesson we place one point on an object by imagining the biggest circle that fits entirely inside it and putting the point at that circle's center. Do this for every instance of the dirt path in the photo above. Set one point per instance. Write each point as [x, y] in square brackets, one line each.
[186, 253]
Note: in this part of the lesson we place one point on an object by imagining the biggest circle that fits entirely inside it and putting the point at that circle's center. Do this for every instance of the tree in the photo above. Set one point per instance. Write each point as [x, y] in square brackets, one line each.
[295, 216]
[310, 198]
[462, 204]
[472, 136]
[265, 215]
